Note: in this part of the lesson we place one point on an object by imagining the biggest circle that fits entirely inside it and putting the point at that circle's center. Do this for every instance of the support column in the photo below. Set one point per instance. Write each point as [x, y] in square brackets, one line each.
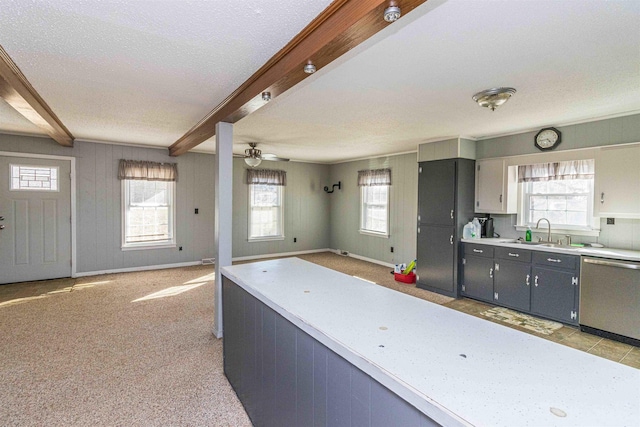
[223, 213]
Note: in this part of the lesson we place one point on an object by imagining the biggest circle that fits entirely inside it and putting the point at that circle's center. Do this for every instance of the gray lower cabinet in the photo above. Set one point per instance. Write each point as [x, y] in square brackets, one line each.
[554, 293]
[512, 278]
[541, 283]
[436, 247]
[478, 277]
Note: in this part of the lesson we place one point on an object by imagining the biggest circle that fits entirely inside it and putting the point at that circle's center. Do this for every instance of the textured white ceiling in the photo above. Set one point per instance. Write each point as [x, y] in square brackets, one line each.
[144, 72]
[569, 60]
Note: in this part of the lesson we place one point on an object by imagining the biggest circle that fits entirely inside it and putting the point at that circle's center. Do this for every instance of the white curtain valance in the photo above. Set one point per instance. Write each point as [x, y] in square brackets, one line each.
[574, 169]
[266, 176]
[374, 177]
[148, 171]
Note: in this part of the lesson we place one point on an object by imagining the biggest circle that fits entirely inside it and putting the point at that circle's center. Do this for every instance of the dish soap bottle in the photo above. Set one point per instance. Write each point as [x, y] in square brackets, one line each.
[527, 234]
[468, 231]
[478, 228]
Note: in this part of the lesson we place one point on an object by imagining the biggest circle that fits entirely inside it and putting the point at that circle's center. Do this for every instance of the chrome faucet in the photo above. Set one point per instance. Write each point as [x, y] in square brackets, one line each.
[549, 232]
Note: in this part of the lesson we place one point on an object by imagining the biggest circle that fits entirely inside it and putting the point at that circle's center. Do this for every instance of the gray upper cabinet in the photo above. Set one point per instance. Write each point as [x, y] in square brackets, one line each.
[445, 204]
[436, 192]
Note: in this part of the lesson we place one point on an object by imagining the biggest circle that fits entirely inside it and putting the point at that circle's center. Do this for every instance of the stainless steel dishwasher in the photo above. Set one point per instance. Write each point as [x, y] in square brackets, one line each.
[610, 299]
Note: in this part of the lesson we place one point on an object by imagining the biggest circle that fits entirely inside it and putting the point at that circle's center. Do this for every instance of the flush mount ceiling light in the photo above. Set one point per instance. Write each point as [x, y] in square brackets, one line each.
[392, 13]
[310, 68]
[493, 98]
[266, 96]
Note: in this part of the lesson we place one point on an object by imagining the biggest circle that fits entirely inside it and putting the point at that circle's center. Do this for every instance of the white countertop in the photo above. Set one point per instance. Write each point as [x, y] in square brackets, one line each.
[612, 253]
[414, 347]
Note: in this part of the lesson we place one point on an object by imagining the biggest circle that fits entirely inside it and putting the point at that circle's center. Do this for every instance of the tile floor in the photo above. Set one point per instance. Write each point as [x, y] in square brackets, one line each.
[567, 335]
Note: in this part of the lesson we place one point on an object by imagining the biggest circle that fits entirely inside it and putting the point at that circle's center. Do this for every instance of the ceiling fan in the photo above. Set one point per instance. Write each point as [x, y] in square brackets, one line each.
[253, 156]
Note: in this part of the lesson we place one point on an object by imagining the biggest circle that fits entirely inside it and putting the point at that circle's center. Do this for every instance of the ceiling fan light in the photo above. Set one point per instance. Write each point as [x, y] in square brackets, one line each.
[252, 161]
[493, 98]
[392, 13]
[310, 68]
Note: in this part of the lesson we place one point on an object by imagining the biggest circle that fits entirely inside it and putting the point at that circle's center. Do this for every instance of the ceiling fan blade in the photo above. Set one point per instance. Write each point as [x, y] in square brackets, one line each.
[273, 158]
[242, 156]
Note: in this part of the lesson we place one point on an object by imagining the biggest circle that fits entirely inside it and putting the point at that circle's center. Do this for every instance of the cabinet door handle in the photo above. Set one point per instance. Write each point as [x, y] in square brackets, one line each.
[501, 198]
[554, 260]
[479, 251]
[451, 213]
[514, 255]
[491, 273]
[602, 198]
[451, 239]
[535, 281]
[527, 279]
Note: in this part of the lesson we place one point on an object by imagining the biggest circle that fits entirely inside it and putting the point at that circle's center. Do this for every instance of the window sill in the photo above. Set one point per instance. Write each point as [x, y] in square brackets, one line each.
[265, 239]
[592, 232]
[147, 246]
[373, 233]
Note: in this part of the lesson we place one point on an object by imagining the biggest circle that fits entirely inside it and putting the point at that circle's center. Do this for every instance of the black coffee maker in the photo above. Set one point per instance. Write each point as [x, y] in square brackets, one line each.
[486, 226]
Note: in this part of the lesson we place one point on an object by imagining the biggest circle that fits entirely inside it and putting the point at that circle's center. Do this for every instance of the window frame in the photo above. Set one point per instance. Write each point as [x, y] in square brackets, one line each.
[168, 243]
[281, 195]
[593, 223]
[34, 189]
[369, 232]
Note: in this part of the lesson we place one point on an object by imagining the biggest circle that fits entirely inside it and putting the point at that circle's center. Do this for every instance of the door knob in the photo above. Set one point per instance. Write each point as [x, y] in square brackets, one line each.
[1, 227]
[1, 218]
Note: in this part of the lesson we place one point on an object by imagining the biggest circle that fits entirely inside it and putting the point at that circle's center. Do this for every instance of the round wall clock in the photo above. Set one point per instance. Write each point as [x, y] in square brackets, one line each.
[547, 139]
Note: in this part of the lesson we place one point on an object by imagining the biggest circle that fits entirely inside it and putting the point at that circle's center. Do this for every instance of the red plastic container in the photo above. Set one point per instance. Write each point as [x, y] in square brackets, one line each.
[405, 278]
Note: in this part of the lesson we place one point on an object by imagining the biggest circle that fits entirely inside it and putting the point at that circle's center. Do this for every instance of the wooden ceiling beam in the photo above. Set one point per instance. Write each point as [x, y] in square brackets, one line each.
[339, 28]
[16, 90]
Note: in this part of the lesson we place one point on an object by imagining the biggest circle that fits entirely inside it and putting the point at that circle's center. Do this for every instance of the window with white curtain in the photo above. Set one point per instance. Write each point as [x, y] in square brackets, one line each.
[148, 204]
[374, 201]
[562, 192]
[266, 212]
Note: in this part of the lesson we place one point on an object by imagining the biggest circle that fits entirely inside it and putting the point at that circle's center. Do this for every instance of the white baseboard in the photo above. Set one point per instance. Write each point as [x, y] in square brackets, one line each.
[281, 254]
[364, 258]
[143, 268]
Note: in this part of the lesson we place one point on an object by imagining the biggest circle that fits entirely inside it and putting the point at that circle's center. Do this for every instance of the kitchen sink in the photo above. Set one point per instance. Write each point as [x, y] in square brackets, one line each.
[547, 245]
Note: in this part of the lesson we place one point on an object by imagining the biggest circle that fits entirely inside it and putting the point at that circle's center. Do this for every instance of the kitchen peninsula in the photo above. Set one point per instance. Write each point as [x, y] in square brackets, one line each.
[303, 343]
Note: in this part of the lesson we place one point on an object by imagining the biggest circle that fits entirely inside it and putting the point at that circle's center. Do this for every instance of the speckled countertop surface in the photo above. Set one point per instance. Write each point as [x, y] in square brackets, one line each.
[612, 253]
[456, 368]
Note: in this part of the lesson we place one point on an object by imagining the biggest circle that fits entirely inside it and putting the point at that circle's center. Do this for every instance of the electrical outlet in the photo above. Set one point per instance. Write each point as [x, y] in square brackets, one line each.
[295, 239]
[196, 211]
[180, 248]
[391, 249]
[611, 221]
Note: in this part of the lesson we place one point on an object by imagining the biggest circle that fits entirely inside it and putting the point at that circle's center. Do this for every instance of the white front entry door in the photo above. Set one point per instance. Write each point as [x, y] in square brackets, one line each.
[35, 224]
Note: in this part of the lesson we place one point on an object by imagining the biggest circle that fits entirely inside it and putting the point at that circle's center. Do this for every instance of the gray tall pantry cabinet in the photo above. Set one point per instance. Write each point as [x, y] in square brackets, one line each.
[445, 204]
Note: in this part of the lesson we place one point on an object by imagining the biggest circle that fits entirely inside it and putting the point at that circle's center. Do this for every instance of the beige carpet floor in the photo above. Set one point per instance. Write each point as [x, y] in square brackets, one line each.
[88, 355]
[129, 349]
